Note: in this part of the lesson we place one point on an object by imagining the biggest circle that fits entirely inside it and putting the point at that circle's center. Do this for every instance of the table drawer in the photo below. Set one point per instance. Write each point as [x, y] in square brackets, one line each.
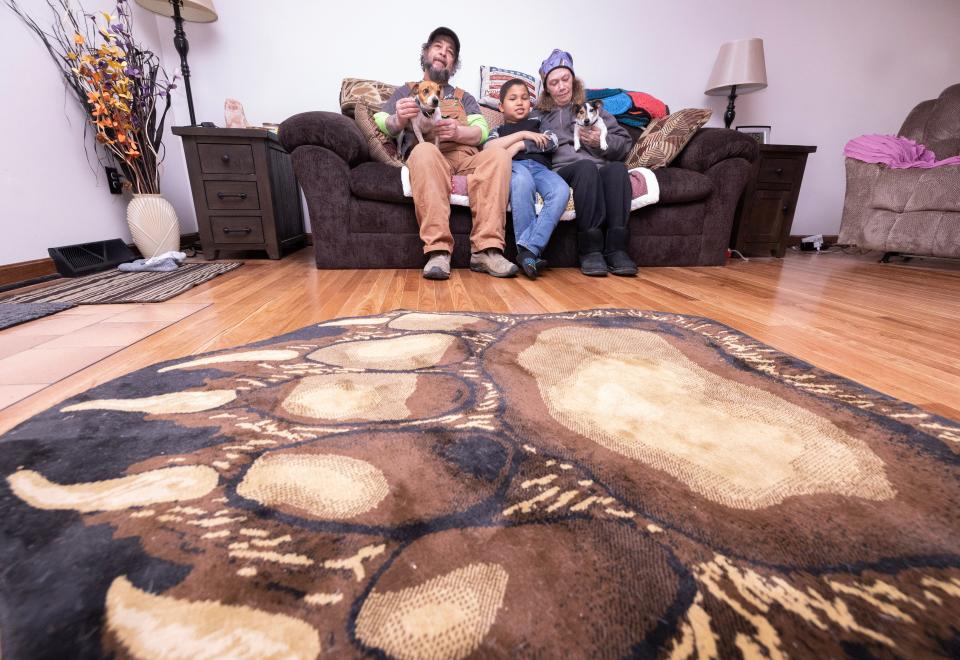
[225, 195]
[226, 158]
[778, 170]
[236, 229]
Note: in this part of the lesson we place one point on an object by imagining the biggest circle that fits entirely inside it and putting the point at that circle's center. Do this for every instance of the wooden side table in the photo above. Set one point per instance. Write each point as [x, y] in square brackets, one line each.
[765, 213]
[244, 190]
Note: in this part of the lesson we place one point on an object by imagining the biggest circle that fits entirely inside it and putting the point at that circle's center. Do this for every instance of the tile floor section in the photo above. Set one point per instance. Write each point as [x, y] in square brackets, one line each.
[38, 353]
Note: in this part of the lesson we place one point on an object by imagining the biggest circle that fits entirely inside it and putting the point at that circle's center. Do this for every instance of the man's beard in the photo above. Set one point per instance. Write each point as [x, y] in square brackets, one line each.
[439, 76]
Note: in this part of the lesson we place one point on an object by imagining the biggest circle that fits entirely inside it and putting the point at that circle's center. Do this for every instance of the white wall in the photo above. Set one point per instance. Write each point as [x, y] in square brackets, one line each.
[837, 69]
[53, 191]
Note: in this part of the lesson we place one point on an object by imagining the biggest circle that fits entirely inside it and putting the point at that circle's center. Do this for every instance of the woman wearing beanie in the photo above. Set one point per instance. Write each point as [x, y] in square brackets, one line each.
[599, 178]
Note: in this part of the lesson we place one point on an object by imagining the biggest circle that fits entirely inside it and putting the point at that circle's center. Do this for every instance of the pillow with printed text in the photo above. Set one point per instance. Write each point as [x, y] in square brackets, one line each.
[492, 77]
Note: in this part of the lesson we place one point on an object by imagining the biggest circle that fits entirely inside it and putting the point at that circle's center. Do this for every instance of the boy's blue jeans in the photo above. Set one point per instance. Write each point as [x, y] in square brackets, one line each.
[528, 177]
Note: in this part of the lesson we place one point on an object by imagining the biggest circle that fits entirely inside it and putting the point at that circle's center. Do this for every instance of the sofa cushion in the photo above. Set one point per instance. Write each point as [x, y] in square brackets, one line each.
[941, 134]
[382, 149]
[357, 90]
[377, 181]
[915, 189]
[678, 186]
[666, 137]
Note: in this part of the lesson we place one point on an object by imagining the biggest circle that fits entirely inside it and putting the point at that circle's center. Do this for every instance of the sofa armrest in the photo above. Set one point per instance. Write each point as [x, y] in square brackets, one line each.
[329, 130]
[709, 146]
[325, 179]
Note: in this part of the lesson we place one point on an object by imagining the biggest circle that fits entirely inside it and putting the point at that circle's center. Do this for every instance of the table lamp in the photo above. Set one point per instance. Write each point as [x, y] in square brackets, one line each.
[195, 11]
[740, 67]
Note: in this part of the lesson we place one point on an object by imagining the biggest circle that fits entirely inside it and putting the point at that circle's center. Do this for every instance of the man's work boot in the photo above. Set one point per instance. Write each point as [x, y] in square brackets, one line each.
[438, 266]
[493, 262]
[590, 247]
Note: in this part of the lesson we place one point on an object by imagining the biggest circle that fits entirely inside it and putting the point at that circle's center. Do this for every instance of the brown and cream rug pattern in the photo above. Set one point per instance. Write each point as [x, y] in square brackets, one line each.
[603, 484]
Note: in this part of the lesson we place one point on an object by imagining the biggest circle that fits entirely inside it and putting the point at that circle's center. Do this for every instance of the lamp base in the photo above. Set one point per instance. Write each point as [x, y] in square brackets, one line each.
[730, 113]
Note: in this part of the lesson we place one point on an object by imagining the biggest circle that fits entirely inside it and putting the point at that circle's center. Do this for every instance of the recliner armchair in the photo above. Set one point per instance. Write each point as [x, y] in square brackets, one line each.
[911, 211]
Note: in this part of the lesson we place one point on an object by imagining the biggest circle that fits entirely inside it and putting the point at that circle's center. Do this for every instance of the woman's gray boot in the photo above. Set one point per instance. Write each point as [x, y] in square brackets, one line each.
[590, 247]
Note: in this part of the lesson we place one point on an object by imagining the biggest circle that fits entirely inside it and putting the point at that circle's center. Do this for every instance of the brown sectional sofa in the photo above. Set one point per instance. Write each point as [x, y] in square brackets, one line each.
[360, 218]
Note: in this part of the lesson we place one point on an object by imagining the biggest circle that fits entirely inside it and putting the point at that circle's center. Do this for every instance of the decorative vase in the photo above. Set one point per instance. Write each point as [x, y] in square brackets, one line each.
[153, 225]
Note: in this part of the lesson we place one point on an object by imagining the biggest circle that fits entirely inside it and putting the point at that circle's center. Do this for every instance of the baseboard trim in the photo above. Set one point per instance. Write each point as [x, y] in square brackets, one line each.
[24, 273]
[828, 239]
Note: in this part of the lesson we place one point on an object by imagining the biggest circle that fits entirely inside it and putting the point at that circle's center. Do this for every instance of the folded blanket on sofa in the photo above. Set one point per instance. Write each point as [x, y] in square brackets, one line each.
[645, 190]
[629, 108]
[894, 151]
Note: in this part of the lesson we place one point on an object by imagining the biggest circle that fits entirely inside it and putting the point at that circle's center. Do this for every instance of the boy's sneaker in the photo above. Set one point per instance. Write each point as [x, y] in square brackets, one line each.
[438, 266]
[493, 262]
[528, 263]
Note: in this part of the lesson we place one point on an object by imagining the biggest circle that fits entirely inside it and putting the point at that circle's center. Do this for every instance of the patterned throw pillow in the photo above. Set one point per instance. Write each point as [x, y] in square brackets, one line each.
[357, 90]
[494, 117]
[491, 77]
[666, 137]
[382, 148]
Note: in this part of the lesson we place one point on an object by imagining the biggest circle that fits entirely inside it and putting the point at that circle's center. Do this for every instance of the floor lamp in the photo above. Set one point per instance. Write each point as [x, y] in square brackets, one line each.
[195, 11]
[740, 68]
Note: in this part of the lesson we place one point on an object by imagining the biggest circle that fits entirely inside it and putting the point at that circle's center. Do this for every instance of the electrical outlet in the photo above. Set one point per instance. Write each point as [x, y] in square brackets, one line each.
[114, 182]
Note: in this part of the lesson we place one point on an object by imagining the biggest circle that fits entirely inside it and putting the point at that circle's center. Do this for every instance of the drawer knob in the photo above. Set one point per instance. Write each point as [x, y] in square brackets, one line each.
[225, 158]
[779, 170]
[785, 208]
[223, 195]
[242, 230]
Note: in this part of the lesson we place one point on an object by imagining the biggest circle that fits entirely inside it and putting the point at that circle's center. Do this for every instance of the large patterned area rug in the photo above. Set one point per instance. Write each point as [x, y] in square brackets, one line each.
[596, 484]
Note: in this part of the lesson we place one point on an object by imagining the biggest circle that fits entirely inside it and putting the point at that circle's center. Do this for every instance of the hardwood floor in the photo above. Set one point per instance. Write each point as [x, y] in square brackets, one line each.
[891, 327]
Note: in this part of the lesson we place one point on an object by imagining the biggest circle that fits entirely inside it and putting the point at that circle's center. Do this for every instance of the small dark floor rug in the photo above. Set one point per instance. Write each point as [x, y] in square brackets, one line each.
[596, 484]
[15, 313]
[116, 287]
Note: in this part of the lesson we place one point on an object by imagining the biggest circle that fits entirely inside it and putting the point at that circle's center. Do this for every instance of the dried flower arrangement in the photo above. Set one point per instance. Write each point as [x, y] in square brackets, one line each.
[120, 84]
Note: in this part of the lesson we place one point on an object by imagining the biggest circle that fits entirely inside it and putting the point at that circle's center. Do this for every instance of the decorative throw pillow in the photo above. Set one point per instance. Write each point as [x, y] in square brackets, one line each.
[491, 77]
[382, 148]
[494, 117]
[666, 137]
[357, 90]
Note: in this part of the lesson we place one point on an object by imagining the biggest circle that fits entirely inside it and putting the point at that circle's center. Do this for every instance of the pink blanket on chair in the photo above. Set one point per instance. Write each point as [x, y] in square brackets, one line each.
[894, 151]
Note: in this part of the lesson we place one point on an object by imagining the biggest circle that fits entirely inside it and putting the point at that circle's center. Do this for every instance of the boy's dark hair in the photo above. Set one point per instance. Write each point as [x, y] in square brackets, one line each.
[505, 87]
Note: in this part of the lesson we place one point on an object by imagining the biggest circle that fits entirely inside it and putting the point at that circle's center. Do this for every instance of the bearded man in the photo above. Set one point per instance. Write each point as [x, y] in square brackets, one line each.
[461, 130]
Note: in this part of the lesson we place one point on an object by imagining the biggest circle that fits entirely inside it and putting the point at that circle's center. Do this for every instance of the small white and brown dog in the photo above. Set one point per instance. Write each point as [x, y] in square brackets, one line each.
[427, 94]
[588, 114]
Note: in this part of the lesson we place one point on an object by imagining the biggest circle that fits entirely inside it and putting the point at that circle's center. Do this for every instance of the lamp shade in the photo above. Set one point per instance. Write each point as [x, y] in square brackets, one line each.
[195, 11]
[739, 63]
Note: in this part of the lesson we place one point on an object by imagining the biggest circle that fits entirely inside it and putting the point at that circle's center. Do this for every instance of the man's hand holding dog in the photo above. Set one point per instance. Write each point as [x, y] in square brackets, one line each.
[406, 110]
[446, 130]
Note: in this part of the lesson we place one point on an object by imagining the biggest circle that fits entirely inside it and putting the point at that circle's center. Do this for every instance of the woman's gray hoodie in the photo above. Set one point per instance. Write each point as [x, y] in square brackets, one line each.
[560, 121]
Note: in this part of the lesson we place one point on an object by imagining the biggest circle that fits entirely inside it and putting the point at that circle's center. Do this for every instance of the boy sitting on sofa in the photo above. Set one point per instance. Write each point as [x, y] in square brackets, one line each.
[530, 149]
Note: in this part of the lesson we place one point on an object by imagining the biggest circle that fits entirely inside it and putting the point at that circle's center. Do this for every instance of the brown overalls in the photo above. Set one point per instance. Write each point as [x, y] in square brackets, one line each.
[488, 186]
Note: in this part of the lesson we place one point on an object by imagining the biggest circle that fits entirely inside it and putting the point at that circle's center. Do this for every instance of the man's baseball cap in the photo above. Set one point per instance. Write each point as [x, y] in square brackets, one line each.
[446, 32]
[558, 58]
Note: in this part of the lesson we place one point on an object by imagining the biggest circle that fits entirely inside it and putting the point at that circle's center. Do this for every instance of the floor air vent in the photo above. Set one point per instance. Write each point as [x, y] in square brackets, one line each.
[86, 258]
